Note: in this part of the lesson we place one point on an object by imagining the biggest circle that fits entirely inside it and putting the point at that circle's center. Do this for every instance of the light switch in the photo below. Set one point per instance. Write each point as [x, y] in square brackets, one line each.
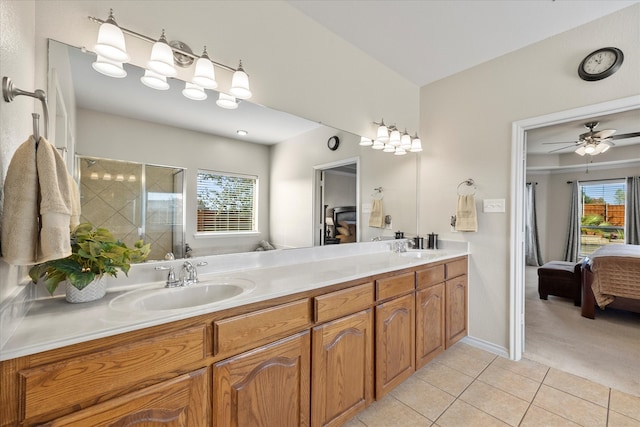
[493, 205]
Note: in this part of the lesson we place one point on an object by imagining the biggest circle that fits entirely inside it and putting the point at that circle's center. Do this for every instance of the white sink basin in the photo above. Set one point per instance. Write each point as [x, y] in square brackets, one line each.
[422, 253]
[207, 292]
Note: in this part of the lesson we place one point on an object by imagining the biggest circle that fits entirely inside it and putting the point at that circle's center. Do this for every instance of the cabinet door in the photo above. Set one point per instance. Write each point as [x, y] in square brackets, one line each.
[456, 309]
[430, 333]
[180, 402]
[342, 368]
[395, 343]
[268, 386]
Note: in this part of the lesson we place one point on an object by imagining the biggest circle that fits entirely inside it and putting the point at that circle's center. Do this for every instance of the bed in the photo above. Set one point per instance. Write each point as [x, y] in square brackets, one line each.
[611, 278]
[345, 219]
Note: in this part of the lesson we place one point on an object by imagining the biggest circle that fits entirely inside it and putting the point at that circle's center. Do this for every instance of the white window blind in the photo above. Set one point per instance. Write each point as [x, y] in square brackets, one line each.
[226, 202]
[603, 214]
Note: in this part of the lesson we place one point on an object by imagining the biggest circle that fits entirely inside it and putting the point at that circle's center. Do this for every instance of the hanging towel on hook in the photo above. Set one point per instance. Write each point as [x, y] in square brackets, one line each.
[40, 203]
[466, 218]
[376, 218]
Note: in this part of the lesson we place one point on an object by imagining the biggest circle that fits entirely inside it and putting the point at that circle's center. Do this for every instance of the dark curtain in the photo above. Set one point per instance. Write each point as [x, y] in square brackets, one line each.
[532, 244]
[633, 210]
[573, 228]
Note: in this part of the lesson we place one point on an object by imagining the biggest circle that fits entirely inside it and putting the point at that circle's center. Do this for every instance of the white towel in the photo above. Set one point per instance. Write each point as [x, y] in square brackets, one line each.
[466, 218]
[376, 218]
[40, 199]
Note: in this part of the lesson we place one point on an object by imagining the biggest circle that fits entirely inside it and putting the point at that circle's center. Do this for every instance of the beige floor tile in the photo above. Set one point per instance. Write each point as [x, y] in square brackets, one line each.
[462, 414]
[509, 381]
[619, 420]
[578, 386]
[566, 405]
[537, 417]
[625, 404]
[467, 362]
[472, 351]
[525, 367]
[445, 378]
[354, 422]
[502, 405]
[428, 400]
[391, 412]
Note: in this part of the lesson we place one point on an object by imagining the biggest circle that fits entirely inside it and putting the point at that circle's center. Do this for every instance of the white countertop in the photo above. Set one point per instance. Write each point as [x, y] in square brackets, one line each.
[51, 322]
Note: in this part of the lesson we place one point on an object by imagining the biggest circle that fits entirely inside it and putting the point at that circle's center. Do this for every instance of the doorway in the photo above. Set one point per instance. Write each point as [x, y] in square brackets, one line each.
[518, 212]
[336, 188]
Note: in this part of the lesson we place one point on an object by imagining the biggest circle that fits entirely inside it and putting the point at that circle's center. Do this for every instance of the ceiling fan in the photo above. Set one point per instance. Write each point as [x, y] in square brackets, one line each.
[593, 142]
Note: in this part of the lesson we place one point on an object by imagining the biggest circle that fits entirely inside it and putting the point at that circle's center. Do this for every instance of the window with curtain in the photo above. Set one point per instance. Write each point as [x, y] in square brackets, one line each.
[227, 203]
[602, 219]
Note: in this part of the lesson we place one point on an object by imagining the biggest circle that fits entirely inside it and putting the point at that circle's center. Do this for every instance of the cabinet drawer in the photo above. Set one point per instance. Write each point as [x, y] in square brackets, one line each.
[86, 378]
[393, 286]
[246, 331]
[430, 276]
[456, 268]
[341, 303]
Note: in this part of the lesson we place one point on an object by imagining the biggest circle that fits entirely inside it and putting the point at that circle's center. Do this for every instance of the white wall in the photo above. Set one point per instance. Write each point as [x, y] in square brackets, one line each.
[340, 189]
[16, 41]
[552, 198]
[466, 129]
[120, 138]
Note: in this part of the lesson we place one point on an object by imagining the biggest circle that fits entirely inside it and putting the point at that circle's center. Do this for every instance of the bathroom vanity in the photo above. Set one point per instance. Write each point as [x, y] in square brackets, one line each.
[313, 343]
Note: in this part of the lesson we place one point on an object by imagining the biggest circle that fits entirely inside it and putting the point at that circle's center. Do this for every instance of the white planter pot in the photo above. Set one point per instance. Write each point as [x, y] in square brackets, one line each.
[93, 291]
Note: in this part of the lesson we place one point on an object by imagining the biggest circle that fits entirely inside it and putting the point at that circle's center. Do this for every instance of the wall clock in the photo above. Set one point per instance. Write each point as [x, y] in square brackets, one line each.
[600, 64]
[333, 143]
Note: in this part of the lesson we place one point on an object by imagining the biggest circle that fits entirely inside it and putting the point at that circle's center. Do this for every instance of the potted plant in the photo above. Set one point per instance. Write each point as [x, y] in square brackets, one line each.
[95, 253]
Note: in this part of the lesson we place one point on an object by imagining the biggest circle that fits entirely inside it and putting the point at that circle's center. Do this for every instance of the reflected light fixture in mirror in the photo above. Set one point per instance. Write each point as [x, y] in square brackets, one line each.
[193, 91]
[111, 45]
[109, 68]
[227, 101]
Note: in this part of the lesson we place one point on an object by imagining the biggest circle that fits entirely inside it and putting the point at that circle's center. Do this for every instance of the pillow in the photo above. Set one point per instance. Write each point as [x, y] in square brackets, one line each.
[344, 224]
[343, 230]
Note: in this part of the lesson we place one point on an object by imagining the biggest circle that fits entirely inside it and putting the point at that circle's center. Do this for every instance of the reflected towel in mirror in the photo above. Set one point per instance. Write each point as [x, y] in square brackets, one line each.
[376, 218]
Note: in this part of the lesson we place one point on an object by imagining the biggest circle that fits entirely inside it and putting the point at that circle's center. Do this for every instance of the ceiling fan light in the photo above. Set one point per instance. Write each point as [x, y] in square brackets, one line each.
[581, 151]
[204, 74]
[605, 146]
[108, 67]
[194, 92]
[589, 149]
[240, 84]
[110, 42]
[154, 80]
[365, 142]
[227, 101]
[161, 60]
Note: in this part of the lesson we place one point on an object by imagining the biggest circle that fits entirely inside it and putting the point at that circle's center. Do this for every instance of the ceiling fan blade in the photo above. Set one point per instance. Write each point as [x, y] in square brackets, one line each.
[626, 135]
[566, 142]
[605, 133]
[563, 148]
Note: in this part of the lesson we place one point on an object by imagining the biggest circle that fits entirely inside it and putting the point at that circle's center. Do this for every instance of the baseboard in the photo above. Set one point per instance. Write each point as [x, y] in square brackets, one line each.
[487, 346]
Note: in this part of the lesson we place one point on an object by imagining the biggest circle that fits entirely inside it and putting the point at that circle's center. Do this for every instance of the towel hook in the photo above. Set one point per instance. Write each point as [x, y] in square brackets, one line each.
[469, 182]
[9, 92]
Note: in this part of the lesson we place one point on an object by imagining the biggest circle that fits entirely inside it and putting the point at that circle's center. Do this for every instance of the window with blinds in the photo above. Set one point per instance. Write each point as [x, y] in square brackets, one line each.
[226, 202]
[603, 212]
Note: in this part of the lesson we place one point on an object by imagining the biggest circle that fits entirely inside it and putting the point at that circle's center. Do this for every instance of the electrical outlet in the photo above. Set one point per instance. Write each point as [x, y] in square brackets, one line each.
[493, 205]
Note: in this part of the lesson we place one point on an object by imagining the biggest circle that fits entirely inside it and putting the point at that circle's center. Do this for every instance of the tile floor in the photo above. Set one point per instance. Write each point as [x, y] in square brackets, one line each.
[466, 387]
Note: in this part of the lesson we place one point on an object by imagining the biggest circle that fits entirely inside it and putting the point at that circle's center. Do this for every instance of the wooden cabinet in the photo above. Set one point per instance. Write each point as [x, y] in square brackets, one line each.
[342, 368]
[430, 323]
[395, 341]
[179, 402]
[456, 301]
[267, 386]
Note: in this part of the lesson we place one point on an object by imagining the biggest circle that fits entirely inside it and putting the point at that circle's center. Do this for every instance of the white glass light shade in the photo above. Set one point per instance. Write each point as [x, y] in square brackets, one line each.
[365, 142]
[194, 92]
[581, 151]
[378, 145]
[394, 138]
[111, 43]
[240, 84]
[589, 149]
[388, 148]
[154, 80]
[161, 60]
[132, 178]
[405, 141]
[94, 175]
[605, 146]
[383, 133]
[106, 176]
[227, 101]
[204, 74]
[109, 68]
[416, 145]
[400, 151]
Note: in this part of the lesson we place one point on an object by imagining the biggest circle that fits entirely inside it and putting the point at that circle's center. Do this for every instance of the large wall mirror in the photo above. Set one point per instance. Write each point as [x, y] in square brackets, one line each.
[119, 120]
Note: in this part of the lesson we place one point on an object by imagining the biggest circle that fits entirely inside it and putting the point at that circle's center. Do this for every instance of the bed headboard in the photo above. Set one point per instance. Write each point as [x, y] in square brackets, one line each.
[345, 213]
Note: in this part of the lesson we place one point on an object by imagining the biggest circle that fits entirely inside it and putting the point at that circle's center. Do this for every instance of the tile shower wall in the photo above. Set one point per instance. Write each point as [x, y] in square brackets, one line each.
[111, 195]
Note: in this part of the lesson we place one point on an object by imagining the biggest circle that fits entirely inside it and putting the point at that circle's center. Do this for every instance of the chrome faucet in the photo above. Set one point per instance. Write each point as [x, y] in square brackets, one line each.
[188, 274]
[171, 282]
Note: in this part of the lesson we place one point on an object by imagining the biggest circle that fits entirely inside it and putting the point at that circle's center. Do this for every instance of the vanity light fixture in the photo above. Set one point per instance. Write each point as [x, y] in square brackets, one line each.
[393, 142]
[383, 132]
[106, 176]
[108, 67]
[154, 80]
[365, 142]
[394, 138]
[193, 91]
[416, 144]
[399, 151]
[405, 141]
[389, 148]
[119, 177]
[377, 145]
[111, 45]
[132, 178]
[227, 101]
